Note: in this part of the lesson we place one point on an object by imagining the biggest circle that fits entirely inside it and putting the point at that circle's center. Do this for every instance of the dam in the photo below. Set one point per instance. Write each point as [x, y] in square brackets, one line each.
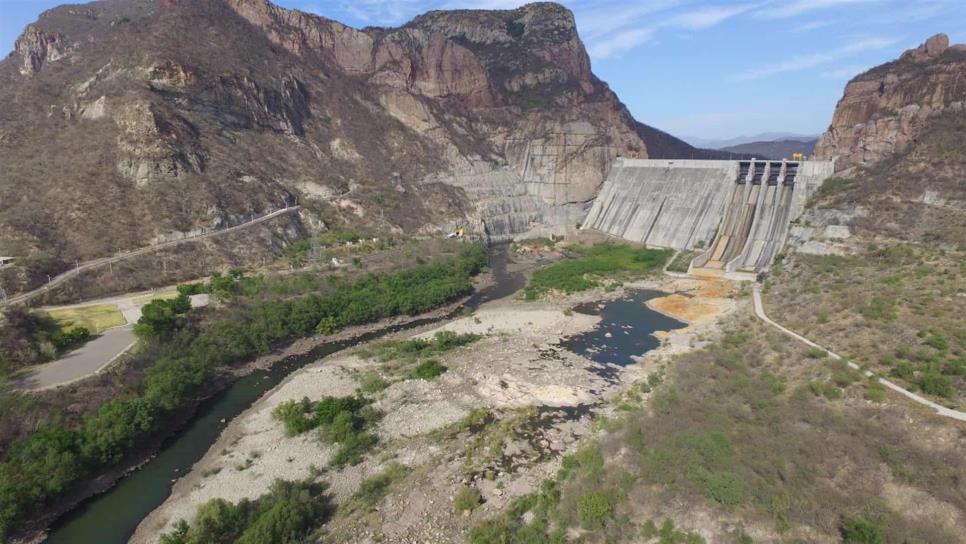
[736, 213]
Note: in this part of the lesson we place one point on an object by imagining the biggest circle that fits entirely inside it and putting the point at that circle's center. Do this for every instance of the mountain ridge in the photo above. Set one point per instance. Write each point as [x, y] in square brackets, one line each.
[123, 132]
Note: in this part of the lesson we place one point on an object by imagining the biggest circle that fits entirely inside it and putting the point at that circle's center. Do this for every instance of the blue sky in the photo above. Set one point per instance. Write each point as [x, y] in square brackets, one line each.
[711, 69]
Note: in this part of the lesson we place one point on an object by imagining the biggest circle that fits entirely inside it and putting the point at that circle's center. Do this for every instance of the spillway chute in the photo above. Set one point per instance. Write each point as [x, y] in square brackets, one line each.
[736, 213]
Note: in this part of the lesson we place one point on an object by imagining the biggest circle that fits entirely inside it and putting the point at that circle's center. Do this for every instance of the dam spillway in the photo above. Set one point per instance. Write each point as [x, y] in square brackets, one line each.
[736, 212]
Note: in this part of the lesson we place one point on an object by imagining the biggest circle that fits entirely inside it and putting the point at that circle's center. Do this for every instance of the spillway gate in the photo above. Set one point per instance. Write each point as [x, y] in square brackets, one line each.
[736, 213]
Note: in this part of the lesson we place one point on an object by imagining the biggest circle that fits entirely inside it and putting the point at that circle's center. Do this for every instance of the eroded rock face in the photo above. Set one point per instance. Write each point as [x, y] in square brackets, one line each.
[155, 145]
[36, 48]
[529, 61]
[886, 108]
[469, 117]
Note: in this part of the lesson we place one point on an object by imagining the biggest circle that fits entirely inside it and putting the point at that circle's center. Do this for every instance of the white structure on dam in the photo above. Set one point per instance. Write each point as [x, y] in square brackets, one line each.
[738, 212]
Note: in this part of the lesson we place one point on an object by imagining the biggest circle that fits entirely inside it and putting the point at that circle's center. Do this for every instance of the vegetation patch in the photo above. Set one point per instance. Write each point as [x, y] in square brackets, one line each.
[374, 489]
[428, 370]
[466, 500]
[288, 513]
[591, 264]
[415, 349]
[57, 456]
[96, 318]
[343, 420]
[734, 431]
[681, 262]
[897, 312]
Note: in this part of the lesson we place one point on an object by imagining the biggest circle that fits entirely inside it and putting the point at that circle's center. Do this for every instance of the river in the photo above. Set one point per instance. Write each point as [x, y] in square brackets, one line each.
[112, 517]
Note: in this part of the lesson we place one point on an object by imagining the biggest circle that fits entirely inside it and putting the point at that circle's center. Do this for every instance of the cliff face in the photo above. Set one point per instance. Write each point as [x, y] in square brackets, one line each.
[887, 108]
[125, 128]
[901, 130]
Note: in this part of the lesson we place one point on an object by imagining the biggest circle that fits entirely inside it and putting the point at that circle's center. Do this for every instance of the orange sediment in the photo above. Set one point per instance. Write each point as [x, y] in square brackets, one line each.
[697, 300]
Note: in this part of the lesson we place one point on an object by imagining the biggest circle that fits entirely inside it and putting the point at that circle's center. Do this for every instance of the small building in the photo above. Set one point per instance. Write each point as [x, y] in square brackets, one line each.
[4, 261]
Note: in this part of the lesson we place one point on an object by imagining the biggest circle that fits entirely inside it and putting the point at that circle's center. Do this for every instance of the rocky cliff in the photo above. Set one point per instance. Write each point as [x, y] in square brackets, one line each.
[899, 136]
[887, 108]
[134, 120]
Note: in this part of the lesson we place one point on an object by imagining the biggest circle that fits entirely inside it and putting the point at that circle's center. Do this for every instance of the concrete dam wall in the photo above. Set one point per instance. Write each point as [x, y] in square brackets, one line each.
[737, 212]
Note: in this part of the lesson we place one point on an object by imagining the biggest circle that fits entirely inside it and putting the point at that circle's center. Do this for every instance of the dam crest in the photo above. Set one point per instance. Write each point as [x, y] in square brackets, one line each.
[735, 212]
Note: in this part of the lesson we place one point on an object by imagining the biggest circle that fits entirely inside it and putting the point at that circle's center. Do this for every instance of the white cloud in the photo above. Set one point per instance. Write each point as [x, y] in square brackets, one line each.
[815, 25]
[815, 59]
[783, 9]
[623, 41]
[596, 19]
[704, 18]
[698, 19]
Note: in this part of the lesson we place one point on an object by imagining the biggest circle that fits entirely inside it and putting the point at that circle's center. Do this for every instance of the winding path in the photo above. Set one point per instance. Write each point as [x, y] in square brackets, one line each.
[61, 278]
[941, 410]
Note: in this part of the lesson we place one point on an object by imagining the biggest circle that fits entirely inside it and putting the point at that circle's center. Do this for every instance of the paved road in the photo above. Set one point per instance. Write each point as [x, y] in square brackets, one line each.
[95, 355]
[89, 359]
[61, 278]
[941, 410]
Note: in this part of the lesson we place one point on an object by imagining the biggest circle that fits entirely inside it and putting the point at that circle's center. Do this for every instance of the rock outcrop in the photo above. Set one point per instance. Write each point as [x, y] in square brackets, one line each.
[887, 108]
[489, 119]
[36, 48]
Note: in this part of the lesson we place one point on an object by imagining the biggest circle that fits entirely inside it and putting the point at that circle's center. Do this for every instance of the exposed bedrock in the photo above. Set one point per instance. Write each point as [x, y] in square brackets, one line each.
[886, 108]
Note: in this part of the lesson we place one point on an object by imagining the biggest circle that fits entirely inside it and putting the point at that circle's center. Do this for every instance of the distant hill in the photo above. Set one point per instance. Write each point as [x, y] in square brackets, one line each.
[661, 145]
[711, 143]
[778, 149]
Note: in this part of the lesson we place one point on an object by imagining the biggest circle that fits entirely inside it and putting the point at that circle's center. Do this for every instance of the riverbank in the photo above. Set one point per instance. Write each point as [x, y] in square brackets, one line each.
[543, 397]
[149, 450]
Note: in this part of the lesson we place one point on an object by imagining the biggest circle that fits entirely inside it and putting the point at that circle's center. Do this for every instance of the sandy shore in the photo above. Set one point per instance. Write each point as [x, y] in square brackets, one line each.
[518, 364]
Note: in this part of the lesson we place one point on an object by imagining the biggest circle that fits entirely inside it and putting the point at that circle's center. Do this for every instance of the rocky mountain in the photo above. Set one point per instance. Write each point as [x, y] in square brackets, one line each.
[887, 108]
[124, 126]
[899, 139]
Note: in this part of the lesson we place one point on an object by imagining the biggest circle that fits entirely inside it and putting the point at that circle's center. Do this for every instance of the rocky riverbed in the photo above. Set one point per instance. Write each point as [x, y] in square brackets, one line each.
[543, 399]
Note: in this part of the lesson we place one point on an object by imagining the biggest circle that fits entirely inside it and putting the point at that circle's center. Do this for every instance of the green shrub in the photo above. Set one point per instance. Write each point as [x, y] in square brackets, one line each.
[371, 382]
[594, 509]
[825, 389]
[586, 460]
[65, 340]
[904, 370]
[593, 262]
[938, 342]
[467, 498]
[428, 370]
[160, 316]
[374, 488]
[934, 383]
[417, 348]
[831, 186]
[875, 392]
[294, 416]
[284, 515]
[861, 531]
[724, 487]
[880, 308]
[816, 353]
[343, 420]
